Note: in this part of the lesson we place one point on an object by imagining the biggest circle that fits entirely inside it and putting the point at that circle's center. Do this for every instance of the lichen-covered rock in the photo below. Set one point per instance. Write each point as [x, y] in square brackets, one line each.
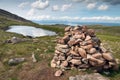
[16, 61]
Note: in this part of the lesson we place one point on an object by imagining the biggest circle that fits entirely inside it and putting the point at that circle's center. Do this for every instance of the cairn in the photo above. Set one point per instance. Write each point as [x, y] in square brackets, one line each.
[81, 49]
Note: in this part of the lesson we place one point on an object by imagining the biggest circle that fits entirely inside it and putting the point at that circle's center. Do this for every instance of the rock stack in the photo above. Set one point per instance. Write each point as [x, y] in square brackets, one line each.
[81, 49]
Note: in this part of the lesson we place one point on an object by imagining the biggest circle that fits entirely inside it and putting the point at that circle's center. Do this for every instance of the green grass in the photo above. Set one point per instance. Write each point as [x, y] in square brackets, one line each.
[44, 48]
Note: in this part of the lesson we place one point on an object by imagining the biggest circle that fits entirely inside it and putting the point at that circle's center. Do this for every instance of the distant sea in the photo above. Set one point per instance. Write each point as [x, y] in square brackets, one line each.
[53, 22]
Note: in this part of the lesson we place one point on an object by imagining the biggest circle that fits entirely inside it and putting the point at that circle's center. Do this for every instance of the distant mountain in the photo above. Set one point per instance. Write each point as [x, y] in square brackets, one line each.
[73, 23]
[4, 13]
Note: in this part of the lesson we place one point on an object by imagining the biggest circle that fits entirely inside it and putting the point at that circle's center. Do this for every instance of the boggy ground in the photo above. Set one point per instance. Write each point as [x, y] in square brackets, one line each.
[43, 48]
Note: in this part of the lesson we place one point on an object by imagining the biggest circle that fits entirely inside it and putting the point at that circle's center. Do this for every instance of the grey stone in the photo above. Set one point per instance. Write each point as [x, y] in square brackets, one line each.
[72, 78]
[16, 61]
[93, 76]
[15, 40]
[34, 58]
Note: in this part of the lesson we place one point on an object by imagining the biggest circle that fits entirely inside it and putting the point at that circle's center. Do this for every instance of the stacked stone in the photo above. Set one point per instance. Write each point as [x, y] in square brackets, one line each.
[81, 49]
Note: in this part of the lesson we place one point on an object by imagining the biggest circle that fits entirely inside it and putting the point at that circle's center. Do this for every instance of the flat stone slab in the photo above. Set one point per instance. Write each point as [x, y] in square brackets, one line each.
[93, 76]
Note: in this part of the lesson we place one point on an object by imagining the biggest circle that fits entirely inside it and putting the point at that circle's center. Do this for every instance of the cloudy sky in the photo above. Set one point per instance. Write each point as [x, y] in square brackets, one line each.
[71, 10]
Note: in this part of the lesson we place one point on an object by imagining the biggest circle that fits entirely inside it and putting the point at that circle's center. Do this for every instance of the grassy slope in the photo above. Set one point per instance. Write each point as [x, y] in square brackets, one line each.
[44, 51]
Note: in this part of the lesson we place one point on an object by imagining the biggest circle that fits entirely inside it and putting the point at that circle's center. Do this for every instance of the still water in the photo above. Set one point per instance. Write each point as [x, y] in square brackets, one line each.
[30, 31]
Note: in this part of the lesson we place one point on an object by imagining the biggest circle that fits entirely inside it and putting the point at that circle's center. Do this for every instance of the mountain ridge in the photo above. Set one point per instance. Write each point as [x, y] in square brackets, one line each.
[6, 14]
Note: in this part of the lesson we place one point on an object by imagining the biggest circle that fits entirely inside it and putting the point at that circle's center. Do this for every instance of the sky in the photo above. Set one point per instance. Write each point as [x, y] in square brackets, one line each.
[68, 10]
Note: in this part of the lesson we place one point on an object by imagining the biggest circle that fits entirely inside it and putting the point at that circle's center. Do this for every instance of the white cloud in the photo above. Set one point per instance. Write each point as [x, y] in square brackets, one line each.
[40, 17]
[31, 12]
[68, 18]
[40, 4]
[101, 18]
[103, 7]
[22, 5]
[85, 1]
[91, 5]
[62, 8]
[77, 0]
[55, 8]
[65, 7]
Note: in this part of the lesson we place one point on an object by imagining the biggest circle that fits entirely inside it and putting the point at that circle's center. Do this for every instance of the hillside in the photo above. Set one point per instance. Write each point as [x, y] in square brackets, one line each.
[7, 19]
[11, 16]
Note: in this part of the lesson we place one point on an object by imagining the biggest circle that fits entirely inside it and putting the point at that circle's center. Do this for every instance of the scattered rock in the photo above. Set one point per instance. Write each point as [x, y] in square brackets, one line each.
[16, 61]
[15, 40]
[33, 57]
[58, 73]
